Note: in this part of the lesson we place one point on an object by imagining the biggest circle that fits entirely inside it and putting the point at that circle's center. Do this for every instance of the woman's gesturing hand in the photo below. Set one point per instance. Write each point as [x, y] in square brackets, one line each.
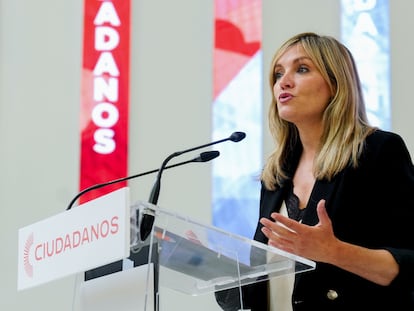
[313, 242]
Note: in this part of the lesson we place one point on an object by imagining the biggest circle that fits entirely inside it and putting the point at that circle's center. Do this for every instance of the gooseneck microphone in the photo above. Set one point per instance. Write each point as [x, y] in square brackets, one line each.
[148, 220]
[235, 137]
[203, 157]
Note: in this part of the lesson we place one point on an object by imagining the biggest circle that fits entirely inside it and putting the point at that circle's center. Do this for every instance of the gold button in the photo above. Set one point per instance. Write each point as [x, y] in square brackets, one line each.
[332, 294]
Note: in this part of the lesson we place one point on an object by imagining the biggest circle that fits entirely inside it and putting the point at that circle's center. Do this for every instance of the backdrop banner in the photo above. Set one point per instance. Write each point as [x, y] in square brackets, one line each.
[104, 95]
[237, 106]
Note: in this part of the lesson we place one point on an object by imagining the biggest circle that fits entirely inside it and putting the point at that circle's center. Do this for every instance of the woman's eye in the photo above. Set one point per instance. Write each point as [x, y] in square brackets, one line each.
[278, 75]
[303, 69]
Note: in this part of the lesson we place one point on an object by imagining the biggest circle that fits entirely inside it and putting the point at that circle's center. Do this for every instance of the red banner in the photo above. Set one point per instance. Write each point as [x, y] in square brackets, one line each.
[238, 35]
[238, 97]
[105, 95]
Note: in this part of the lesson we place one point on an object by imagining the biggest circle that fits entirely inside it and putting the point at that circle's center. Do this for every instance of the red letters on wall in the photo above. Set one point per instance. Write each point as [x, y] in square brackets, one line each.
[105, 95]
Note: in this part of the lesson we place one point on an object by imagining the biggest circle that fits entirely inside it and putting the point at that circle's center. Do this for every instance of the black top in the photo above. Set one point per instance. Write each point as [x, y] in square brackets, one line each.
[292, 204]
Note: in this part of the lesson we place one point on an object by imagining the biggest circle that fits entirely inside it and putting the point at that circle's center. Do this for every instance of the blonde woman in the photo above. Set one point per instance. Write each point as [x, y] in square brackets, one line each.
[335, 190]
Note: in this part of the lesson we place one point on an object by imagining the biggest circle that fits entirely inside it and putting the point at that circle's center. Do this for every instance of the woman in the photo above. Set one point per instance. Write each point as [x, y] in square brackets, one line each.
[335, 190]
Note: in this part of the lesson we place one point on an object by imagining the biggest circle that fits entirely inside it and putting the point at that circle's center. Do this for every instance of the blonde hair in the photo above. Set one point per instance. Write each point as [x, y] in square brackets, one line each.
[345, 124]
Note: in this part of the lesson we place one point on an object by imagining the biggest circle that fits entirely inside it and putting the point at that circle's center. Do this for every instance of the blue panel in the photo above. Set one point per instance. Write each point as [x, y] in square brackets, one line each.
[236, 183]
[365, 31]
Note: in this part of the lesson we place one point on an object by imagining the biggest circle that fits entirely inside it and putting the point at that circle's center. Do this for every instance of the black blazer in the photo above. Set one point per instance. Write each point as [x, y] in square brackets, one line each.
[371, 206]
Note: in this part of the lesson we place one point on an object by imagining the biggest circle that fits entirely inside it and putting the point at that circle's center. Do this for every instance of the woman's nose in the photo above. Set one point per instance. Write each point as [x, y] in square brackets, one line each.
[285, 81]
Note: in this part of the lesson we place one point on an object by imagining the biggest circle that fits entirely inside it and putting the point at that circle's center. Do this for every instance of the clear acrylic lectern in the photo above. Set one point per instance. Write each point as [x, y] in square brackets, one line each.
[192, 258]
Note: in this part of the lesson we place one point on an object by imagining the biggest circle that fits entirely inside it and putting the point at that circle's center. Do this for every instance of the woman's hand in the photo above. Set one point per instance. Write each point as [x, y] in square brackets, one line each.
[319, 243]
[313, 242]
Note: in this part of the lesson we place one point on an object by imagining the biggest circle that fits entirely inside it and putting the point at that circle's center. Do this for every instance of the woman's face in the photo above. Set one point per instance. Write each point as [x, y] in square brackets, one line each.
[300, 91]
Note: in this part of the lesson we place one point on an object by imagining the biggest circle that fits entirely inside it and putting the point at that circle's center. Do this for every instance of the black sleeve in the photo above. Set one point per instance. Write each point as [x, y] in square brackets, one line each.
[397, 167]
[405, 260]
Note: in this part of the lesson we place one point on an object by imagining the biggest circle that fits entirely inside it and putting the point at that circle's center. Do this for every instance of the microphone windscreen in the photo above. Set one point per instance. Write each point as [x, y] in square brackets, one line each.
[209, 155]
[237, 136]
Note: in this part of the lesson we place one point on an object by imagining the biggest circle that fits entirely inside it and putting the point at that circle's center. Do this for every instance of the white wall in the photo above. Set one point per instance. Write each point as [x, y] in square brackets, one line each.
[401, 67]
[40, 55]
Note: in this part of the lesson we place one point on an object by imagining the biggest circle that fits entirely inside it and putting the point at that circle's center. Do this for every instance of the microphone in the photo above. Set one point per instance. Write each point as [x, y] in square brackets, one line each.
[235, 137]
[148, 220]
[203, 157]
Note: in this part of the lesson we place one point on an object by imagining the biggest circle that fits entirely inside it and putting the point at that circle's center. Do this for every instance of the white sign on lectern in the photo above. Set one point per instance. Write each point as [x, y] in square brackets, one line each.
[90, 235]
